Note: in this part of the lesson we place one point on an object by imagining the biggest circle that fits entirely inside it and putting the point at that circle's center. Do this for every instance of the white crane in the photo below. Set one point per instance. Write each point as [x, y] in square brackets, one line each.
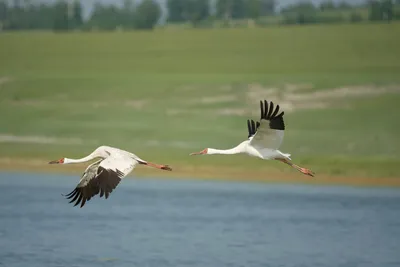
[264, 139]
[104, 175]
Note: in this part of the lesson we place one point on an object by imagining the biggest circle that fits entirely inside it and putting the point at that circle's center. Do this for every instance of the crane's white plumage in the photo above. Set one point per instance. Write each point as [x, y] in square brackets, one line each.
[104, 175]
[264, 138]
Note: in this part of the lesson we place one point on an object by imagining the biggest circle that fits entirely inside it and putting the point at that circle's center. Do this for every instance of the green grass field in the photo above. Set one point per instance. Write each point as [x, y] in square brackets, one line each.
[165, 94]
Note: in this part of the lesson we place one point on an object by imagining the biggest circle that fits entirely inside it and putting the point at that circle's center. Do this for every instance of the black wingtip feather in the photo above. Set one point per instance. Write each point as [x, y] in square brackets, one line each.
[265, 108]
[268, 112]
[271, 109]
[69, 194]
[75, 197]
[275, 111]
[104, 182]
[78, 200]
[252, 127]
[83, 202]
[262, 109]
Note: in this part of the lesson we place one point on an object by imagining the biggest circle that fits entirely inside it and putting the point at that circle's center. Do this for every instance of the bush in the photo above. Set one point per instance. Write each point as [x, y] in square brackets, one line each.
[147, 13]
[396, 15]
[329, 19]
[355, 17]
[299, 18]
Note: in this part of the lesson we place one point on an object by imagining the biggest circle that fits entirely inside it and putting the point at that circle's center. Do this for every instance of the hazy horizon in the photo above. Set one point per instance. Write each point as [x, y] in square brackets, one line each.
[88, 4]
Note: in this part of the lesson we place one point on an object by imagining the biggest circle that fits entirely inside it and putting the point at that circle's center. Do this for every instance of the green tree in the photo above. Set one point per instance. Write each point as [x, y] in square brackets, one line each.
[176, 10]
[381, 10]
[344, 5]
[105, 17]
[127, 14]
[77, 18]
[253, 8]
[387, 10]
[301, 13]
[15, 16]
[25, 15]
[128, 5]
[238, 9]
[375, 11]
[45, 16]
[195, 11]
[147, 14]
[300, 7]
[61, 16]
[228, 9]
[223, 8]
[355, 17]
[268, 7]
[327, 5]
[3, 13]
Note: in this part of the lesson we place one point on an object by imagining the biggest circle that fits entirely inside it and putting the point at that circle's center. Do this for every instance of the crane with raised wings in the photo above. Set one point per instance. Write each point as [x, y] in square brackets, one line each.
[264, 139]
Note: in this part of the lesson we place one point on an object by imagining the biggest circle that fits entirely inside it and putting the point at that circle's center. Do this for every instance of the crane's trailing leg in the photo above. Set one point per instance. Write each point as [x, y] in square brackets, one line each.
[158, 166]
[300, 169]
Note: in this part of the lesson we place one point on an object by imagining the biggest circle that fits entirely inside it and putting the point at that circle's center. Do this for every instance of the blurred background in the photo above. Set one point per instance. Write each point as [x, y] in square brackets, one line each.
[166, 78]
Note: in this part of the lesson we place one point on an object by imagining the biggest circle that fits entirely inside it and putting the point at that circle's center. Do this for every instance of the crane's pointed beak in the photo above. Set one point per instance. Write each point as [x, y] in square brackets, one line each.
[60, 161]
[204, 151]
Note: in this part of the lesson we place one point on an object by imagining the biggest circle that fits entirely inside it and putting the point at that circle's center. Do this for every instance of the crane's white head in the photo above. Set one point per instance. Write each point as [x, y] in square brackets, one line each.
[59, 161]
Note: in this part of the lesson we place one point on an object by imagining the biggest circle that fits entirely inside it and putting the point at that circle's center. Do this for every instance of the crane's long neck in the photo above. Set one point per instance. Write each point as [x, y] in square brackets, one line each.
[235, 150]
[85, 159]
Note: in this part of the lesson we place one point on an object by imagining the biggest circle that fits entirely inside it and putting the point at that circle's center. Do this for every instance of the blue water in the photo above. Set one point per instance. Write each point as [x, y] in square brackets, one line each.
[149, 222]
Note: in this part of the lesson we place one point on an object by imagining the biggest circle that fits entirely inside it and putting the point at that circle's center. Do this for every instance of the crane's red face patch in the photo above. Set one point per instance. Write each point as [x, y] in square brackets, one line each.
[203, 152]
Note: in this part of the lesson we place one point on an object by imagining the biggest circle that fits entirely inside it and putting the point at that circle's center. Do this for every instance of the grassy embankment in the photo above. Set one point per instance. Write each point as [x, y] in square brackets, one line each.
[165, 94]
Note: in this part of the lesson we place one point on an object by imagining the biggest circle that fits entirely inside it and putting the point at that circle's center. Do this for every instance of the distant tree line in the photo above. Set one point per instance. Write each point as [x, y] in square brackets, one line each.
[66, 15]
[329, 12]
[196, 11]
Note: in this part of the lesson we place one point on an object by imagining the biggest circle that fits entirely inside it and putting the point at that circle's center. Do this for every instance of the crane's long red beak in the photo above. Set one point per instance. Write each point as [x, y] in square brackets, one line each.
[60, 161]
[204, 151]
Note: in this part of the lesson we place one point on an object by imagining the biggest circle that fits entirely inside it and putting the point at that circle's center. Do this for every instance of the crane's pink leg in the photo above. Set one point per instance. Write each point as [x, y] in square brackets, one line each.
[300, 169]
[158, 166]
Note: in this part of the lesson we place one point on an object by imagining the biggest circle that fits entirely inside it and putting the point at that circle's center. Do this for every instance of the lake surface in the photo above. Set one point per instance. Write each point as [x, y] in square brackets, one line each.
[150, 222]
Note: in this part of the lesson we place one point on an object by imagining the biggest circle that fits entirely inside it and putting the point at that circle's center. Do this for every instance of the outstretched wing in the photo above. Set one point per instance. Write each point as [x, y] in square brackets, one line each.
[85, 189]
[269, 132]
[101, 177]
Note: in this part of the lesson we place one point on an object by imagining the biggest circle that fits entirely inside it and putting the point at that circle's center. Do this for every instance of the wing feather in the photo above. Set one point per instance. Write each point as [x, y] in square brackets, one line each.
[269, 132]
[252, 127]
[101, 177]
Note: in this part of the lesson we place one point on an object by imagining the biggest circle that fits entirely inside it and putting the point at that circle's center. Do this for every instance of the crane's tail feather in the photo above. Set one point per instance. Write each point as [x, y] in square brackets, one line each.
[287, 156]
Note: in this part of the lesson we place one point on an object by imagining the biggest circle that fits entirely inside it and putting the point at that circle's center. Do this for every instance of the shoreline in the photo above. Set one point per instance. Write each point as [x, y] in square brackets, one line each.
[188, 172]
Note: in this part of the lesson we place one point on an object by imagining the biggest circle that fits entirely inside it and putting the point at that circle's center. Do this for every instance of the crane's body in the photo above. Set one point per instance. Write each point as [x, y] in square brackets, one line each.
[247, 148]
[103, 175]
[264, 139]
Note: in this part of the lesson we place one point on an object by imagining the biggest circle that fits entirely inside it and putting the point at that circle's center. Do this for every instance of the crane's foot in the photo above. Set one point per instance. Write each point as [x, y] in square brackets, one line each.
[307, 172]
[166, 168]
